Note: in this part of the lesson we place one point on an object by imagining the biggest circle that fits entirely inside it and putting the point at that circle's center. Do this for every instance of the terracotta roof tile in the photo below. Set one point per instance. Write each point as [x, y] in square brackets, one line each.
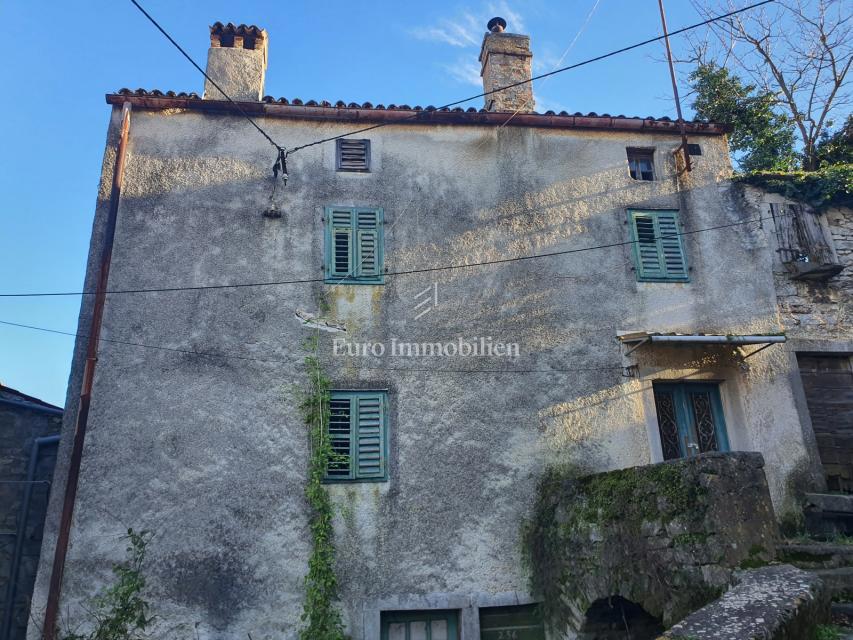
[229, 29]
[648, 122]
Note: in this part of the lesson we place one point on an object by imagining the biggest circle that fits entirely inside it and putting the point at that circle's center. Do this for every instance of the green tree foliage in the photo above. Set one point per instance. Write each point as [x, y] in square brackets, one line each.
[761, 139]
[837, 148]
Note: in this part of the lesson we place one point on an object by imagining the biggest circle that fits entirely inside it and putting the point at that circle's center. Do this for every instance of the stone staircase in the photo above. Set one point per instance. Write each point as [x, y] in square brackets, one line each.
[833, 563]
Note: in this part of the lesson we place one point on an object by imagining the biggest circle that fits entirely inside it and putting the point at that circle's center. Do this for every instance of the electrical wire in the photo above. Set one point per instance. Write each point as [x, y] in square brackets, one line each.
[406, 272]
[422, 114]
[297, 359]
[207, 77]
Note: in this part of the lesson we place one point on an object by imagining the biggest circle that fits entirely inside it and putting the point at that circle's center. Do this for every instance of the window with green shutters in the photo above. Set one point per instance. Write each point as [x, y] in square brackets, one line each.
[354, 245]
[658, 248]
[358, 436]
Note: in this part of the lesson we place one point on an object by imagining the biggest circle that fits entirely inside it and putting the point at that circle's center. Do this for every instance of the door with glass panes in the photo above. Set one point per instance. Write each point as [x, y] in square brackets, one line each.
[690, 419]
[420, 625]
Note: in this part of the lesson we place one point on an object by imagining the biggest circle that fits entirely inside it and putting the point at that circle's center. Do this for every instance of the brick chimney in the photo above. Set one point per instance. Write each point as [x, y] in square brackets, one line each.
[506, 58]
[237, 62]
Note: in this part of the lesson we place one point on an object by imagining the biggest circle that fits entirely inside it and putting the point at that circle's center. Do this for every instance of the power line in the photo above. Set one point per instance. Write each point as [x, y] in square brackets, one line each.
[539, 77]
[295, 359]
[204, 73]
[449, 267]
[420, 115]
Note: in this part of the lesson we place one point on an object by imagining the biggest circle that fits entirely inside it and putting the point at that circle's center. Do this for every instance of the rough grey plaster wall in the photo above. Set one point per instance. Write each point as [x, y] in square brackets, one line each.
[239, 72]
[210, 452]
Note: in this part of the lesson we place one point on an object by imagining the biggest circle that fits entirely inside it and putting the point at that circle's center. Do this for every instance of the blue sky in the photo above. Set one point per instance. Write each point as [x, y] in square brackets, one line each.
[64, 56]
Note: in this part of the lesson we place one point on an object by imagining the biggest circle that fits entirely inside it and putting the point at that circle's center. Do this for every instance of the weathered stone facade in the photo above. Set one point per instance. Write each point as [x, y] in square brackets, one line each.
[27, 459]
[666, 537]
[211, 450]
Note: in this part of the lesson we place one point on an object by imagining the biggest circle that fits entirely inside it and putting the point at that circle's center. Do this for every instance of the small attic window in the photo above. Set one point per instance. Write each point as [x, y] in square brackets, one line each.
[248, 42]
[353, 155]
[641, 163]
[694, 150]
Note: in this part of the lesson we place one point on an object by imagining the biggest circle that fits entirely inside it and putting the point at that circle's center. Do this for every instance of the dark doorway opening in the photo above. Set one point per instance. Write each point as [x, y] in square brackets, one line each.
[828, 383]
[616, 618]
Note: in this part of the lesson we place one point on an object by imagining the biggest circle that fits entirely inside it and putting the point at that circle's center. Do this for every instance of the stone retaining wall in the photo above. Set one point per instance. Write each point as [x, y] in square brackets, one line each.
[777, 603]
[666, 536]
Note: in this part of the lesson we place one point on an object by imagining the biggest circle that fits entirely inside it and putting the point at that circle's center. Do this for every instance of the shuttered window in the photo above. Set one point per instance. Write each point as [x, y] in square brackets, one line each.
[353, 155]
[358, 436]
[354, 251]
[658, 248]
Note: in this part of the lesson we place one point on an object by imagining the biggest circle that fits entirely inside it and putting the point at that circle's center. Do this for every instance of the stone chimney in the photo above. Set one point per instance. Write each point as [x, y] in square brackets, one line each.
[506, 58]
[237, 62]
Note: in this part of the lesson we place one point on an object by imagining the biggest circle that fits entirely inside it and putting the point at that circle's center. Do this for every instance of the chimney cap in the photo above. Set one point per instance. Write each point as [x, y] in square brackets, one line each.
[496, 25]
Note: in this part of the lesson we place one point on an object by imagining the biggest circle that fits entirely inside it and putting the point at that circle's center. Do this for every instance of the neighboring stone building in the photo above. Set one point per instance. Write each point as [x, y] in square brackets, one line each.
[813, 271]
[631, 344]
[29, 433]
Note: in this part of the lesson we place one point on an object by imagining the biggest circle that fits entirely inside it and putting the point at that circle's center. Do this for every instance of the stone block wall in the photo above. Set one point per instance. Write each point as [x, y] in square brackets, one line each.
[666, 537]
[19, 427]
[819, 312]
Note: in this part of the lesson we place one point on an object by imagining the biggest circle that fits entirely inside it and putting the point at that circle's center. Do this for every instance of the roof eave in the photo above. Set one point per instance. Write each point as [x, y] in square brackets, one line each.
[412, 116]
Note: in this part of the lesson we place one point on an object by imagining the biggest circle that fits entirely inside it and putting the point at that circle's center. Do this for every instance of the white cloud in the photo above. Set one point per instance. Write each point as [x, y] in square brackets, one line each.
[467, 29]
[514, 21]
[465, 71]
[459, 32]
[546, 104]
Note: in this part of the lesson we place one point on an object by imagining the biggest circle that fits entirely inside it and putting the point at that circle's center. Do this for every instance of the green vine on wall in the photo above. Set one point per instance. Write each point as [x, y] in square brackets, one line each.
[120, 612]
[320, 615]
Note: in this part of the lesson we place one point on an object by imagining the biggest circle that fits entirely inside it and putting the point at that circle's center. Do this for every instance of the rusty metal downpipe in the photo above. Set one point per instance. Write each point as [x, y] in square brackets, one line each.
[681, 124]
[52, 608]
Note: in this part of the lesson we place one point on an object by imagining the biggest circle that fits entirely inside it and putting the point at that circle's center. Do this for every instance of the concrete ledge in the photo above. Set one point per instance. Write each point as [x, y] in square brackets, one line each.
[778, 602]
[816, 555]
[828, 514]
[838, 582]
[835, 502]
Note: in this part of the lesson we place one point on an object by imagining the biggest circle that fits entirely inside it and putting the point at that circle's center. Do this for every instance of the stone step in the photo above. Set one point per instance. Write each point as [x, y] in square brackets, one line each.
[777, 601]
[842, 618]
[816, 555]
[838, 582]
[828, 514]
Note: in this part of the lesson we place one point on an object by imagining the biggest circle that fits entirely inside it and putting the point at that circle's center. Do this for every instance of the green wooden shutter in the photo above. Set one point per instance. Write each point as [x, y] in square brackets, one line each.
[658, 249]
[370, 445]
[341, 430]
[368, 249]
[354, 245]
[340, 249]
[671, 249]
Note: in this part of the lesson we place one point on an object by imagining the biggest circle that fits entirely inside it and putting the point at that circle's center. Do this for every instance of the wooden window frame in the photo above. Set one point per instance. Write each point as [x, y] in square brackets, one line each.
[427, 615]
[680, 390]
[353, 397]
[663, 275]
[339, 145]
[357, 274]
[640, 153]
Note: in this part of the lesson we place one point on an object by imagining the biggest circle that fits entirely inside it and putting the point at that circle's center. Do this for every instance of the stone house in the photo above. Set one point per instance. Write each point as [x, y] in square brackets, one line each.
[465, 369]
[29, 433]
[812, 257]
